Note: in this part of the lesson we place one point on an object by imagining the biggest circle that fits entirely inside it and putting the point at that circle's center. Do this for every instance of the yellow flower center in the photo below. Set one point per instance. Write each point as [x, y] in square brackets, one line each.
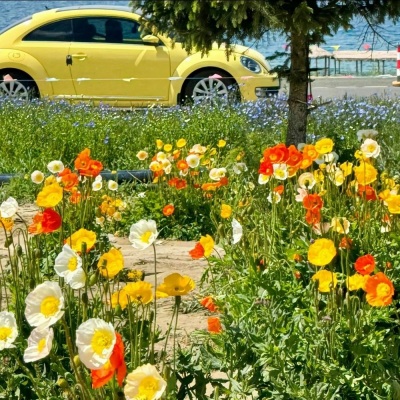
[5, 332]
[102, 340]
[41, 344]
[72, 263]
[49, 306]
[146, 237]
[382, 290]
[148, 387]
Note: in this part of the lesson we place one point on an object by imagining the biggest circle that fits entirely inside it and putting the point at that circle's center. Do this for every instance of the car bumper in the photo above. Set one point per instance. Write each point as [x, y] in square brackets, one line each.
[255, 89]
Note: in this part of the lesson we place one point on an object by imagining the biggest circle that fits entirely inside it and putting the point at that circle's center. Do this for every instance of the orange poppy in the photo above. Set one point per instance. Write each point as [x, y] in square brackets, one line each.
[266, 168]
[82, 160]
[93, 170]
[172, 182]
[181, 184]
[277, 154]
[182, 165]
[279, 189]
[75, 196]
[209, 186]
[222, 182]
[379, 290]
[68, 179]
[197, 252]
[295, 157]
[45, 222]
[310, 151]
[305, 162]
[313, 216]
[116, 364]
[208, 302]
[367, 192]
[365, 265]
[345, 243]
[168, 210]
[312, 202]
[214, 325]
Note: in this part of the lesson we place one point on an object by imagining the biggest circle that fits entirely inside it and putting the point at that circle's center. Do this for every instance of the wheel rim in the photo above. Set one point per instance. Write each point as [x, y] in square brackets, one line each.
[14, 89]
[209, 88]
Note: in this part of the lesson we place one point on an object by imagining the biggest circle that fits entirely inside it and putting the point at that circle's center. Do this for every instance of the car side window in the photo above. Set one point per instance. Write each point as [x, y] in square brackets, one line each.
[85, 31]
[59, 31]
[107, 30]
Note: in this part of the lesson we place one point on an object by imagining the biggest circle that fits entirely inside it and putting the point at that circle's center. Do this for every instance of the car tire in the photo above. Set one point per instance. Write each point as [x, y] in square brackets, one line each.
[202, 86]
[21, 87]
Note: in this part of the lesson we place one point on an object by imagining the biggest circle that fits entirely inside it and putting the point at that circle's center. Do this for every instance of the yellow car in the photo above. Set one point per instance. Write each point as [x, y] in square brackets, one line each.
[100, 54]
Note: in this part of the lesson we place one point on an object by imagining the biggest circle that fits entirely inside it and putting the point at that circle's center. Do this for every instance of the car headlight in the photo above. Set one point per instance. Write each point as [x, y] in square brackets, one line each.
[250, 64]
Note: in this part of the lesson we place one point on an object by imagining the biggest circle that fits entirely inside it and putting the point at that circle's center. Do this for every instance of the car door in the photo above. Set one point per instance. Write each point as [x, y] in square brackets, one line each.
[116, 66]
[49, 45]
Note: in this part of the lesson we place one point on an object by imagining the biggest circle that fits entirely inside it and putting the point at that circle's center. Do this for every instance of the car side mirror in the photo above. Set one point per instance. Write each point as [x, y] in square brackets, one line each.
[151, 39]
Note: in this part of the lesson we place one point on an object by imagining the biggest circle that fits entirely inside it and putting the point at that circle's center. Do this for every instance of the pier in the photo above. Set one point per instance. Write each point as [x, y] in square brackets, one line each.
[324, 59]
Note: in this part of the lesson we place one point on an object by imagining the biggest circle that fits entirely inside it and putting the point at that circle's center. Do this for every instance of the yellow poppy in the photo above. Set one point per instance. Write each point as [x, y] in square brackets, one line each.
[327, 280]
[175, 285]
[324, 146]
[321, 252]
[49, 196]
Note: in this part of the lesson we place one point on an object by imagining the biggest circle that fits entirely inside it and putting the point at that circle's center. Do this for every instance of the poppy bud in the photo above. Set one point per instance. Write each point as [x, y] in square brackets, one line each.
[18, 250]
[62, 383]
[85, 299]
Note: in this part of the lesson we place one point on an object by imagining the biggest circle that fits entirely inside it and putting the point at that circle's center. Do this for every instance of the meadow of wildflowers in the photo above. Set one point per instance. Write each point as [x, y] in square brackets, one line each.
[302, 247]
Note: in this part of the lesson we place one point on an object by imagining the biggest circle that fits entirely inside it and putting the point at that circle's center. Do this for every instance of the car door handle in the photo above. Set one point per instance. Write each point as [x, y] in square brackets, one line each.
[79, 56]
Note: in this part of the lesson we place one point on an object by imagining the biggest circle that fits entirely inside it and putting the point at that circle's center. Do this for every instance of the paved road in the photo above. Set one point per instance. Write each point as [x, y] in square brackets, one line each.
[337, 87]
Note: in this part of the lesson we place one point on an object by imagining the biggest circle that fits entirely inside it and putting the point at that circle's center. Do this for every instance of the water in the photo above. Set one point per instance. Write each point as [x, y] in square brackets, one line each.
[355, 39]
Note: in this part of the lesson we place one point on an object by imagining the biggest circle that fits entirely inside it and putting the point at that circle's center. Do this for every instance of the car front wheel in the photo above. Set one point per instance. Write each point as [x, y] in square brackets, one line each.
[18, 86]
[209, 85]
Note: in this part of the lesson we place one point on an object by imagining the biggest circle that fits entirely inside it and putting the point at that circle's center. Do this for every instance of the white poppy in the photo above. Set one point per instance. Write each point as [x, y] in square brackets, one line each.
[8, 330]
[95, 340]
[68, 265]
[366, 133]
[263, 179]
[161, 156]
[144, 383]
[143, 234]
[301, 194]
[280, 171]
[238, 168]
[44, 305]
[40, 342]
[306, 180]
[217, 173]
[9, 208]
[274, 197]
[97, 185]
[55, 166]
[112, 185]
[198, 149]
[37, 177]
[193, 160]
[142, 155]
[370, 148]
[237, 231]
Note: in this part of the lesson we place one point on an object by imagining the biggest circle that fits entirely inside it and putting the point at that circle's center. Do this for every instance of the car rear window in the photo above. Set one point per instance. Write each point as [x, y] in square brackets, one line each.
[59, 31]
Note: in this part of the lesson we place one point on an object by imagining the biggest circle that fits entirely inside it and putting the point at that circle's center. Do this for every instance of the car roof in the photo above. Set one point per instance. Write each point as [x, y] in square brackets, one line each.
[93, 7]
[100, 7]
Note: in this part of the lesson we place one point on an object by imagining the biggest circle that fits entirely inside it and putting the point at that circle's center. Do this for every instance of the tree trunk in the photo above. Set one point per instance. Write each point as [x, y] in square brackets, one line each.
[298, 80]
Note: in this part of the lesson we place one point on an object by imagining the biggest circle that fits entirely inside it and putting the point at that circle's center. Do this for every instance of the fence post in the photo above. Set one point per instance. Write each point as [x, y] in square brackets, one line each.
[397, 81]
